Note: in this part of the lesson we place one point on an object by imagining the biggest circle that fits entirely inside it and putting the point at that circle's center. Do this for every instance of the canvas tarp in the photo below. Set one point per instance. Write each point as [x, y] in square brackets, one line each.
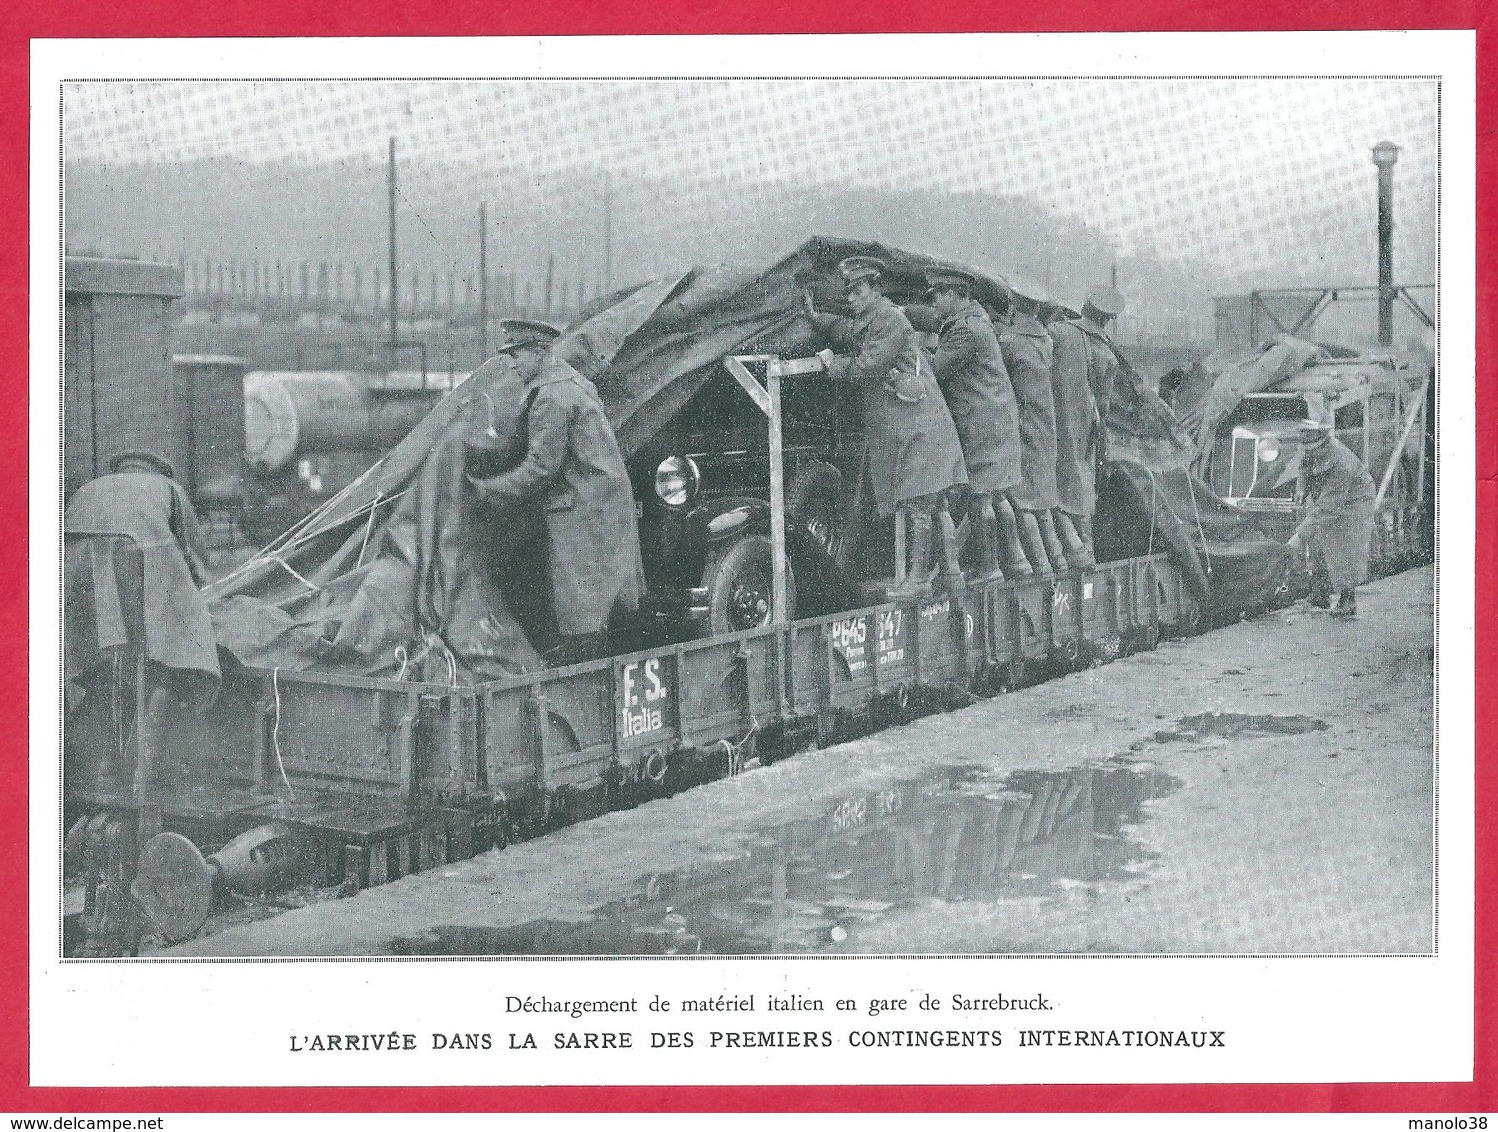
[402, 573]
[378, 580]
[1211, 389]
[1229, 564]
[667, 362]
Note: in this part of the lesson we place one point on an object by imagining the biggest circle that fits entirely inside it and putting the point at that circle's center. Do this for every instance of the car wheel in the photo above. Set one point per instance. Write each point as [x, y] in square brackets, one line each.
[739, 582]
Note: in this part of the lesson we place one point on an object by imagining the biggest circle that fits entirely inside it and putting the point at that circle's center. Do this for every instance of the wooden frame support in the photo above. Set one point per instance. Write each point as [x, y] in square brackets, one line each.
[766, 396]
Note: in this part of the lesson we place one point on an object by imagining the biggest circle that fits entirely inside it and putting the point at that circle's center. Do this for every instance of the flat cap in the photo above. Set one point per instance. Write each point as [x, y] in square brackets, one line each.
[152, 460]
[946, 277]
[1311, 429]
[1106, 301]
[524, 332]
[857, 267]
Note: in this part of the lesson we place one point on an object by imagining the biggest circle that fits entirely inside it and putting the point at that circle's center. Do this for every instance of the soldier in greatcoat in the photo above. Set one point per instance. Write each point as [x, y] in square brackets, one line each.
[141, 499]
[1083, 371]
[574, 470]
[914, 457]
[970, 370]
[1027, 351]
[1338, 526]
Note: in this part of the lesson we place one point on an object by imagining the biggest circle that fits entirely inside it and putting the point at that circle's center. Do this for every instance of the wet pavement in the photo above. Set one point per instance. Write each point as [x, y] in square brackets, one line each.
[1264, 788]
[961, 835]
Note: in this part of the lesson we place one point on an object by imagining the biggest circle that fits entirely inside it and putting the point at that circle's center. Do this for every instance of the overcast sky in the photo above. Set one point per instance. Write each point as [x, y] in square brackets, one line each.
[1238, 172]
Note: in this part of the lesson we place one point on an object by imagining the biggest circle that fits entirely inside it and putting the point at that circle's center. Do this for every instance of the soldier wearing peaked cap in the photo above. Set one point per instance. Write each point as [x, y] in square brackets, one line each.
[1338, 526]
[1085, 367]
[574, 469]
[522, 332]
[970, 370]
[914, 456]
[1027, 350]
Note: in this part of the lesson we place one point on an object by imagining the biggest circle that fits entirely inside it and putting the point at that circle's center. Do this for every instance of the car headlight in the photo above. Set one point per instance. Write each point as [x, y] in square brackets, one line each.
[1269, 449]
[676, 480]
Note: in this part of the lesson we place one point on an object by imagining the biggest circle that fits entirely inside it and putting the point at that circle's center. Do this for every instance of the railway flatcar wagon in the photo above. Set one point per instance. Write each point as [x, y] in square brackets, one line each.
[312, 780]
[578, 740]
[323, 780]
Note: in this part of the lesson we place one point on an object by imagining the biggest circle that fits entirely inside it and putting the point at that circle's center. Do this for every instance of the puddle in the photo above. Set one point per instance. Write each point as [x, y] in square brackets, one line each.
[960, 836]
[1232, 725]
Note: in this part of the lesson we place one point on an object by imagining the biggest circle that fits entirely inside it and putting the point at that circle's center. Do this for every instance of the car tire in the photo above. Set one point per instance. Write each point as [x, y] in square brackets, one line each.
[738, 580]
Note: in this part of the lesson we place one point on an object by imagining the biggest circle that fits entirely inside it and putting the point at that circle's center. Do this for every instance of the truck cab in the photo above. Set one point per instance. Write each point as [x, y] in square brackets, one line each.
[1254, 462]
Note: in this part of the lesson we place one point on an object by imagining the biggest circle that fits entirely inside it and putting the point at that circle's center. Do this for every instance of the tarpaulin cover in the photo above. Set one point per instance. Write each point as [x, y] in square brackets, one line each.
[382, 580]
[1229, 564]
[402, 573]
[1211, 389]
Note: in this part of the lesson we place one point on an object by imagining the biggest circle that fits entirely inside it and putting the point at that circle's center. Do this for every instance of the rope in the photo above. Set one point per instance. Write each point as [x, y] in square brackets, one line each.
[368, 526]
[732, 751]
[292, 538]
[273, 552]
[279, 561]
[275, 734]
[430, 642]
[117, 702]
[1151, 473]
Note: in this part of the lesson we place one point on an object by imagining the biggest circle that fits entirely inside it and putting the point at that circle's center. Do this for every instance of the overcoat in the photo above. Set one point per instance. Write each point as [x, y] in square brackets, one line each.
[1027, 352]
[1082, 372]
[155, 512]
[912, 442]
[970, 370]
[1339, 514]
[574, 469]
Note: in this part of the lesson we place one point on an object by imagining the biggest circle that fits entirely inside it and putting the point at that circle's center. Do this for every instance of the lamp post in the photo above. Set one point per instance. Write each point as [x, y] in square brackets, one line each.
[1385, 154]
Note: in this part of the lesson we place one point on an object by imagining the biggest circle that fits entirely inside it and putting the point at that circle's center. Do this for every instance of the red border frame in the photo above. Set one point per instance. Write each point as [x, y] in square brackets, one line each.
[75, 18]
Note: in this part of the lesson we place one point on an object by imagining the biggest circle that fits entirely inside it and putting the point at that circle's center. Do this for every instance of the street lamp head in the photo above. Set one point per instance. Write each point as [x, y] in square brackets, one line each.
[1385, 153]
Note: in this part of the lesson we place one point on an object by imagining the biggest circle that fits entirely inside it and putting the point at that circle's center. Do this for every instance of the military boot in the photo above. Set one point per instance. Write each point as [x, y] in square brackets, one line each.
[951, 566]
[917, 584]
[1030, 538]
[1084, 532]
[1054, 550]
[1347, 604]
[986, 530]
[1016, 565]
[1077, 556]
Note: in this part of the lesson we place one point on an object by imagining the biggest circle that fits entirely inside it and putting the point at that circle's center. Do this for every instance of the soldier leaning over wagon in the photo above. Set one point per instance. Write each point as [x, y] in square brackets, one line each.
[1338, 526]
[1027, 351]
[970, 370]
[140, 499]
[914, 457]
[1084, 368]
[574, 469]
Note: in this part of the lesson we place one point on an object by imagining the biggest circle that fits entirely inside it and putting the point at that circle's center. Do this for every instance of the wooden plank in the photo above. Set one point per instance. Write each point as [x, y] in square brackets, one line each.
[778, 597]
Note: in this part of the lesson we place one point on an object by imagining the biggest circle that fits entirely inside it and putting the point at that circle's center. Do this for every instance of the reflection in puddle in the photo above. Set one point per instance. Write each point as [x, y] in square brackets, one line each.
[958, 836]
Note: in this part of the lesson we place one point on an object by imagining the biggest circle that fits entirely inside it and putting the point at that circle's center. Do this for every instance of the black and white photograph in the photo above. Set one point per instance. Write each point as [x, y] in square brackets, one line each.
[750, 517]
